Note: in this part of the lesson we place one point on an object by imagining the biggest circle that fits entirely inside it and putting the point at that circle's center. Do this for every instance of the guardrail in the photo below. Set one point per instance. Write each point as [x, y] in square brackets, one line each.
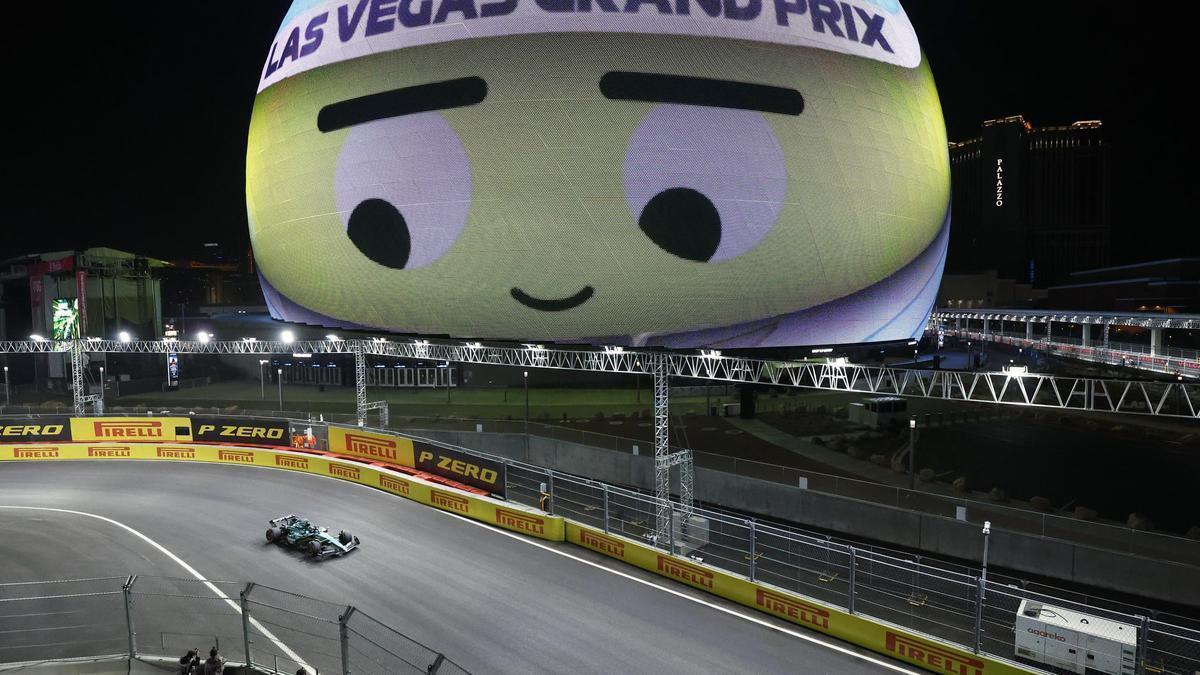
[273, 631]
[1111, 536]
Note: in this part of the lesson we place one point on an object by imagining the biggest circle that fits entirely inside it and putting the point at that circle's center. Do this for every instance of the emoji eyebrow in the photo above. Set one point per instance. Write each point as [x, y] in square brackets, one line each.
[658, 88]
[405, 101]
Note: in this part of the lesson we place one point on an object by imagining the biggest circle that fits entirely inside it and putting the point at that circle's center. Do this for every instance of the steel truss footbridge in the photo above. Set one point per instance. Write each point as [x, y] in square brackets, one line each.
[1176, 399]
[1090, 338]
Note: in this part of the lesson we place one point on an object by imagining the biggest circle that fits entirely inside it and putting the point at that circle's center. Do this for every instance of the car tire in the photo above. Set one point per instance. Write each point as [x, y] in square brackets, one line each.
[314, 547]
[274, 533]
[344, 537]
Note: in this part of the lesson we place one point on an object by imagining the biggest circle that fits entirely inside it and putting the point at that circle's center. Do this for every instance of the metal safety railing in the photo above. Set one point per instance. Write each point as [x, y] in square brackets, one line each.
[950, 602]
[273, 631]
[1096, 533]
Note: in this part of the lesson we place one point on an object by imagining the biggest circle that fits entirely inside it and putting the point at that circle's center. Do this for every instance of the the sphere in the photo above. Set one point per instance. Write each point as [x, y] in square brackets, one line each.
[727, 173]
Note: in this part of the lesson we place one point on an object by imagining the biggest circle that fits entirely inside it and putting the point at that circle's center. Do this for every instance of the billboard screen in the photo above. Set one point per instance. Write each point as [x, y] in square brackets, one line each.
[64, 323]
[640, 173]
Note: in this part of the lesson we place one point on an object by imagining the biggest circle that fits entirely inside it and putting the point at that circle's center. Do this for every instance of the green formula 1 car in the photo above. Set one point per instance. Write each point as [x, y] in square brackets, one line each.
[297, 532]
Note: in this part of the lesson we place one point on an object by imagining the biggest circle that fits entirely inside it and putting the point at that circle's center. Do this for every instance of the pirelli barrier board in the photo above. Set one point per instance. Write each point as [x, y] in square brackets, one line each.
[919, 651]
[508, 516]
[130, 429]
[458, 466]
[368, 445]
[233, 430]
[148, 429]
[37, 430]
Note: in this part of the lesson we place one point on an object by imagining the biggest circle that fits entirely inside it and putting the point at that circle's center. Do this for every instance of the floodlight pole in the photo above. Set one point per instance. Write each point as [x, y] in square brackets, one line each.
[279, 376]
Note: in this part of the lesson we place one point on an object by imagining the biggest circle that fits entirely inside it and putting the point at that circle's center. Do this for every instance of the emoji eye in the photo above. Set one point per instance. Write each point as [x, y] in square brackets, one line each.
[403, 189]
[705, 184]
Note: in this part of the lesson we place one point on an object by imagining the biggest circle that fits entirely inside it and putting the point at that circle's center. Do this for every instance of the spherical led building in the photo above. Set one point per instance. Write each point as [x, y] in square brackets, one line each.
[683, 173]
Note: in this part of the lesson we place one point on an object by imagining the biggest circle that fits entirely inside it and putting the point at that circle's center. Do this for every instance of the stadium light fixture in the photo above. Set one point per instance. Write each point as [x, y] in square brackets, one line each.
[249, 339]
[333, 338]
[823, 350]
[287, 337]
[37, 338]
[710, 353]
[124, 336]
[203, 337]
[474, 345]
[613, 350]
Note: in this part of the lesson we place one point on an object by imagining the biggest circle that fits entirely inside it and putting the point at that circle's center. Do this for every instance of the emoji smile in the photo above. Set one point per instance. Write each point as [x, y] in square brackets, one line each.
[555, 304]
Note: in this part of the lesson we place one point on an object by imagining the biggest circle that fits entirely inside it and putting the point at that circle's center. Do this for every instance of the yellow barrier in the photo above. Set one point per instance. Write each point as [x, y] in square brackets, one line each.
[130, 429]
[899, 644]
[369, 445]
[509, 516]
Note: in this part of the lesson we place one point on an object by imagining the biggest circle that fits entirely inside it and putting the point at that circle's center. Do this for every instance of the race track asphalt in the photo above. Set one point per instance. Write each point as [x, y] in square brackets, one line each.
[491, 601]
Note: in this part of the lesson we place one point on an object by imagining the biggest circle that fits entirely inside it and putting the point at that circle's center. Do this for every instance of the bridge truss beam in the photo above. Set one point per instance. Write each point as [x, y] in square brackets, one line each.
[1106, 395]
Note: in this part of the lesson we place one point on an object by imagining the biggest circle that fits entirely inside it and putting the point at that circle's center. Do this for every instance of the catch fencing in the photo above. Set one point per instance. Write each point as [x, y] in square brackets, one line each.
[951, 602]
[274, 631]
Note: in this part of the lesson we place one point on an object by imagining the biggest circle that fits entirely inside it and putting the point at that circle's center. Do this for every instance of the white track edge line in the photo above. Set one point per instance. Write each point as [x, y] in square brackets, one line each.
[762, 622]
[191, 570]
[513, 535]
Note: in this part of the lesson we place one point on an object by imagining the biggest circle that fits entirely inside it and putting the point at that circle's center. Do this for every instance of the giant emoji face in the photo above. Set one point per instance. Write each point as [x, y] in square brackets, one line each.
[736, 173]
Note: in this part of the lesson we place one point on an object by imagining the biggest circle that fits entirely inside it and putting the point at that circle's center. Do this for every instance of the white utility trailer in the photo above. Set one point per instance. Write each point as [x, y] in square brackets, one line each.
[1075, 641]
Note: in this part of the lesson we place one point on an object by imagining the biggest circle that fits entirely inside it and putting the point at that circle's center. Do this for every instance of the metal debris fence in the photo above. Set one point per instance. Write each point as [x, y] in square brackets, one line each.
[163, 617]
[946, 601]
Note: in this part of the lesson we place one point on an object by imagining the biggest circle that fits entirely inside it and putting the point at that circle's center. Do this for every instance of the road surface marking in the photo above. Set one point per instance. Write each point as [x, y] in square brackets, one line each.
[190, 570]
[762, 622]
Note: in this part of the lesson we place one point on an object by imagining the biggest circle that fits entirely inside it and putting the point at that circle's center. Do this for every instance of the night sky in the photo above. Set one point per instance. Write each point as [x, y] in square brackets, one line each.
[127, 121]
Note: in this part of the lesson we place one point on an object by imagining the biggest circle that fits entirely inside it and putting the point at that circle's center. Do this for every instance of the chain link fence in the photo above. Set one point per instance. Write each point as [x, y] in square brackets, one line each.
[274, 631]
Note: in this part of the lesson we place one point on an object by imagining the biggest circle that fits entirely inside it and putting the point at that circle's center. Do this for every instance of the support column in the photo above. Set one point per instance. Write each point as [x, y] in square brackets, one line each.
[1106, 327]
[77, 377]
[1028, 330]
[1156, 341]
[687, 486]
[360, 383]
[986, 328]
[662, 448]
[1087, 335]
